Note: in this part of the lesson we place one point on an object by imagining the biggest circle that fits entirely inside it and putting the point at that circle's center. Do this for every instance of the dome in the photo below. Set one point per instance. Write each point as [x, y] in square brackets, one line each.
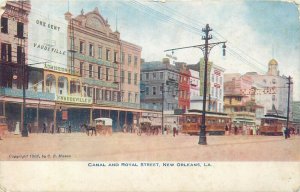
[273, 62]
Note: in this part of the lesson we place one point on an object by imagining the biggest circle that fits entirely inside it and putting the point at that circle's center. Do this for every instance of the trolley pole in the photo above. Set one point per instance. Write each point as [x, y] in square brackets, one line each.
[206, 47]
[288, 101]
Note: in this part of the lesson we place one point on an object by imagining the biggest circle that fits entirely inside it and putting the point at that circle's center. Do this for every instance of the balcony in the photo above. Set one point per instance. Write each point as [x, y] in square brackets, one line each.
[94, 60]
[119, 104]
[29, 94]
[96, 82]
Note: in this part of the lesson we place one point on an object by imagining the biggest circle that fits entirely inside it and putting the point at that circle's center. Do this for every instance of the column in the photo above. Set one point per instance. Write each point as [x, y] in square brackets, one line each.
[91, 116]
[37, 117]
[4, 109]
[54, 119]
[118, 121]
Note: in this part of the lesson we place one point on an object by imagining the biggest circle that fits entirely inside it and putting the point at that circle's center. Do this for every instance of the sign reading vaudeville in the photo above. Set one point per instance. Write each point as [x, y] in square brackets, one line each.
[47, 40]
[74, 99]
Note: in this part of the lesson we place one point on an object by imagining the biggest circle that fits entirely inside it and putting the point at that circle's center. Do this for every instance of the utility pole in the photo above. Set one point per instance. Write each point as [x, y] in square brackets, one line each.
[288, 103]
[162, 107]
[206, 48]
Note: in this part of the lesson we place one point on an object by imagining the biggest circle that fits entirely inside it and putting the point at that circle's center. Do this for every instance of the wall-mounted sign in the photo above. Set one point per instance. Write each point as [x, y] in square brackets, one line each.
[47, 40]
[60, 69]
[64, 115]
[265, 91]
[73, 99]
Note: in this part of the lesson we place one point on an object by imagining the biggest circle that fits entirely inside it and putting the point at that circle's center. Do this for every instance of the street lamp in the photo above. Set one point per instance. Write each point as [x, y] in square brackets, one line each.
[205, 49]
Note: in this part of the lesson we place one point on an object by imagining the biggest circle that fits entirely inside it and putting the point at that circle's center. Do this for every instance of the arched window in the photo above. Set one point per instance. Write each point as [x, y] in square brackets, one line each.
[63, 85]
[50, 83]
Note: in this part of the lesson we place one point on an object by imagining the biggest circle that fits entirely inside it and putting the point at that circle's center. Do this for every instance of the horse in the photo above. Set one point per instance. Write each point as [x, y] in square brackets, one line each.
[89, 128]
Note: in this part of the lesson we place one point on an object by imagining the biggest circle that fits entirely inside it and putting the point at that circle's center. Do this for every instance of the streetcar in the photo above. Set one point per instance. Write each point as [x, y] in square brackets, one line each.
[215, 122]
[272, 125]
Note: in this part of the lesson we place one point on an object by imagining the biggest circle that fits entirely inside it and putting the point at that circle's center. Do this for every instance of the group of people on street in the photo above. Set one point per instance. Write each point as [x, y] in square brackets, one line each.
[241, 130]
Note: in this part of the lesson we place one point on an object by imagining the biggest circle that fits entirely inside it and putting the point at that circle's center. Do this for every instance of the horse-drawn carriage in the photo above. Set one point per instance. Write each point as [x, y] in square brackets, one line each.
[149, 127]
[103, 126]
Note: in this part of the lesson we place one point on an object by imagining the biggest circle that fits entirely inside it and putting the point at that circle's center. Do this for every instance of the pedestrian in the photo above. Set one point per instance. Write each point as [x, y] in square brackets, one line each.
[226, 129]
[44, 127]
[29, 127]
[288, 131]
[284, 130]
[235, 129]
[52, 128]
[175, 128]
[69, 129]
[1, 132]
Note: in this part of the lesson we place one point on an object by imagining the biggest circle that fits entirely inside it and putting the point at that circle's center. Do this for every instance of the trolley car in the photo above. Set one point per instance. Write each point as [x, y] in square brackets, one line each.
[272, 125]
[215, 122]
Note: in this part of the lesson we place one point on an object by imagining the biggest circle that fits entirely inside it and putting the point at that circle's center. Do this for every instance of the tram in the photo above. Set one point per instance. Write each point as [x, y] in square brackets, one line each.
[215, 122]
[272, 125]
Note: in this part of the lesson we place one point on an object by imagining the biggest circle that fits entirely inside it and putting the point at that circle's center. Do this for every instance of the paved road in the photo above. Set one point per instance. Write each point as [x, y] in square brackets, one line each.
[130, 147]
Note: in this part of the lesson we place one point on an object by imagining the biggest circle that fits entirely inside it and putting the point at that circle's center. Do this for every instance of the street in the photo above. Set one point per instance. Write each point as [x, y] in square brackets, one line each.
[131, 147]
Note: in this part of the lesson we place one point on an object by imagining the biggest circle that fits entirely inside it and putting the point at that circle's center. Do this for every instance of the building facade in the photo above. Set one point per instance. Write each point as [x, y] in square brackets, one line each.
[82, 72]
[215, 87]
[272, 90]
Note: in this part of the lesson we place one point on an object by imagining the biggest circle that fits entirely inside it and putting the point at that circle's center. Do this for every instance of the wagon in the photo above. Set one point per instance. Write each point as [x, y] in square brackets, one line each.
[104, 126]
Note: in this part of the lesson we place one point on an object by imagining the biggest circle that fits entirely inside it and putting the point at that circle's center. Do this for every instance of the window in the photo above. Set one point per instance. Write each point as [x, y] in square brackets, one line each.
[91, 50]
[147, 76]
[123, 58]
[122, 76]
[153, 90]
[212, 78]
[136, 98]
[217, 79]
[81, 68]
[99, 72]
[90, 70]
[273, 98]
[81, 47]
[99, 52]
[115, 75]
[107, 54]
[129, 77]
[161, 90]
[154, 75]
[220, 93]
[107, 74]
[129, 59]
[129, 97]
[135, 61]
[135, 78]
[220, 80]
[19, 55]
[115, 56]
[20, 30]
[6, 52]
[147, 90]
[74, 86]
[89, 91]
[4, 25]
[122, 96]
[161, 75]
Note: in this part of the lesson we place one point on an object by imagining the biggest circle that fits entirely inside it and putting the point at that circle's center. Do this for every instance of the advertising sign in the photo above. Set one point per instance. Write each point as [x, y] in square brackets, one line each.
[47, 40]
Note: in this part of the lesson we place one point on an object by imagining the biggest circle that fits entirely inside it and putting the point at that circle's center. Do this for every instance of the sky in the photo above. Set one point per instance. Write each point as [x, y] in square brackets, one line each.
[255, 31]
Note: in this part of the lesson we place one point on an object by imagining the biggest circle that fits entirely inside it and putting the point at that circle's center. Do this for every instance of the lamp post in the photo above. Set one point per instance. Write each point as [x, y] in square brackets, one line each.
[206, 48]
